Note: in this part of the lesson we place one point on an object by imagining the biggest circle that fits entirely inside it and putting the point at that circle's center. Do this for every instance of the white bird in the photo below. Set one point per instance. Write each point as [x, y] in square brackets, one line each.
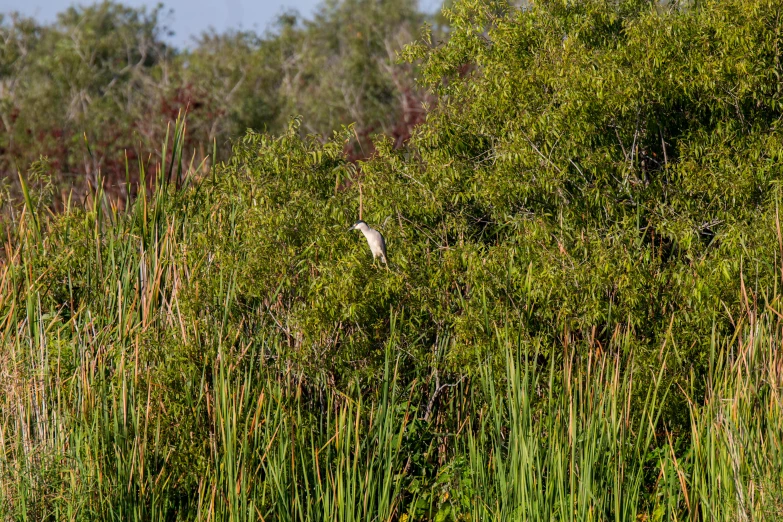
[374, 239]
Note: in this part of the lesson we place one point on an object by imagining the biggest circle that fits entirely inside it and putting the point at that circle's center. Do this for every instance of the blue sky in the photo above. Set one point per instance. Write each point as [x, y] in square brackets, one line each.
[191, 17]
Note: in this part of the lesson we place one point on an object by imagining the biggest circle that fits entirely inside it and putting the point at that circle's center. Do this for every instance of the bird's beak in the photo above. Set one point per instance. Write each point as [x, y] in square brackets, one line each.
[351, 227]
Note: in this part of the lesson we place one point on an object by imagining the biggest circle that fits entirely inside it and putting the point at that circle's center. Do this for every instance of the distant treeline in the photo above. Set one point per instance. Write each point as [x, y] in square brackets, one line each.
[101, 84]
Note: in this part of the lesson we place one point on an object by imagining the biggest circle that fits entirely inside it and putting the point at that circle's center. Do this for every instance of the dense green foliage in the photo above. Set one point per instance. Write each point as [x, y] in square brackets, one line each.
[570, 185]
[628, 154]
[580, 319]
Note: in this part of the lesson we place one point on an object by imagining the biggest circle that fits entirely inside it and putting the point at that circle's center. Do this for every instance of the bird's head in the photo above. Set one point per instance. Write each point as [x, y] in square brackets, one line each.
[359, 225]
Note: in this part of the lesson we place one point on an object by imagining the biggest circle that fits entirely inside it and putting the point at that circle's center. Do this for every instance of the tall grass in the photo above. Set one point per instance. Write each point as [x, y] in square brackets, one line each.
[564, 442]
[117, 404]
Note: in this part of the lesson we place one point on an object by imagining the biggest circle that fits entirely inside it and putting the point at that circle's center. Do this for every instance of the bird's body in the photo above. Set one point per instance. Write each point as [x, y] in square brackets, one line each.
[374, 239]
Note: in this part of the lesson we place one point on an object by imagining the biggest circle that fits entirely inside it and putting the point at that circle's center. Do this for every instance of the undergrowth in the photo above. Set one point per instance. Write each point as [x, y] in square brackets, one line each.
[122, 400]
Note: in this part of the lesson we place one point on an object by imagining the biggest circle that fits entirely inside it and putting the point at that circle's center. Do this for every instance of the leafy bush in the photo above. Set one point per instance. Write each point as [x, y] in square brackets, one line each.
[569, 185]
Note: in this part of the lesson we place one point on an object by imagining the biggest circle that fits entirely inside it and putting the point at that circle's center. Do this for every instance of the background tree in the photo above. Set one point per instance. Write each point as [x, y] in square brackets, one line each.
[104, 72]
[95, 73]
